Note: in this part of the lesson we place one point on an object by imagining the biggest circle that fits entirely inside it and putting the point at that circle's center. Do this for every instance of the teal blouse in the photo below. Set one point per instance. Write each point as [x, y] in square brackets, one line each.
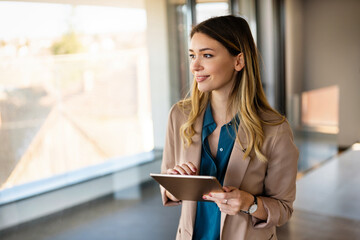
[207, 222]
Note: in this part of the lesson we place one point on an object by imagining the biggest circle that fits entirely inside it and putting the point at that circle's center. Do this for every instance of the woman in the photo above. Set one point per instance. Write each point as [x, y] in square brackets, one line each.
[227, 129]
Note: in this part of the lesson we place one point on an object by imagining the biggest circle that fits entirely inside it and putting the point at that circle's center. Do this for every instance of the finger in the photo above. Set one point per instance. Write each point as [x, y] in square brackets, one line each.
[225, 208]
[229, 188]
[228, 212]
[220, 195]
[172, 171]
[229, 192]
[180, 170]
[223, 201]
[192, 166]
[187, 169]
[218, 201]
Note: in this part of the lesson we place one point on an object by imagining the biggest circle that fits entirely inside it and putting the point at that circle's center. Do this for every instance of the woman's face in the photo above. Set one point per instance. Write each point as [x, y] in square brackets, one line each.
[212, 65]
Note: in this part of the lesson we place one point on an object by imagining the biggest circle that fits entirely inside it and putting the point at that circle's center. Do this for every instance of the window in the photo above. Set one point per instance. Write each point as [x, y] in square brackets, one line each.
[74, 88]
[205, 10]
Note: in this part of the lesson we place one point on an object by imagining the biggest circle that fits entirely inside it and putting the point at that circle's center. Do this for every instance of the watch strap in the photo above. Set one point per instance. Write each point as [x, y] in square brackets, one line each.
[248, 211]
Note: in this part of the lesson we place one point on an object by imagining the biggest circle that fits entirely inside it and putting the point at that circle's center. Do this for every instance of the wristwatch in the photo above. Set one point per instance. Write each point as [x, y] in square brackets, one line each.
[252, 208]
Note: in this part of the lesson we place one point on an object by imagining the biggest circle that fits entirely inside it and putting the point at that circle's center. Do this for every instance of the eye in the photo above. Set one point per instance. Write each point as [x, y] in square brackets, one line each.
[208, 55]
[192, 56]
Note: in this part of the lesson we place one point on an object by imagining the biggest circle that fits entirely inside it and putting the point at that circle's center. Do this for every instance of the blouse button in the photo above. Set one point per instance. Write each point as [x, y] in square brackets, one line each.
[221, 149]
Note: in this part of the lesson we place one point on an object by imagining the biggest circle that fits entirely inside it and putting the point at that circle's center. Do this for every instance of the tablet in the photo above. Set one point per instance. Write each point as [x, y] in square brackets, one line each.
[188, 187]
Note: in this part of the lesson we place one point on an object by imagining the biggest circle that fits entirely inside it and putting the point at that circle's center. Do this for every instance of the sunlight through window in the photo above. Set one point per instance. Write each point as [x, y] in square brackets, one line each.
[74, 88]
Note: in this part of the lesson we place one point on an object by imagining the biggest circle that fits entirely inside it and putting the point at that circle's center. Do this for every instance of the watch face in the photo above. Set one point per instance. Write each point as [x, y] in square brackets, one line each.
[253, 208]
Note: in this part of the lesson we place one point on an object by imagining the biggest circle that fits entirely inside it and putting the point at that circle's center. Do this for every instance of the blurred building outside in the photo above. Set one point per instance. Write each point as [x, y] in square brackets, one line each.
[72, 100]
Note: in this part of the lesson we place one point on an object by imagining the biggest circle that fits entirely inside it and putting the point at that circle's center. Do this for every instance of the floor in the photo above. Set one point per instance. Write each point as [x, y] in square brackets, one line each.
[327, 203]
[142, 216]
[333, 188]
[129, 214]
[315, 149]
[326, 207]
[306, 225]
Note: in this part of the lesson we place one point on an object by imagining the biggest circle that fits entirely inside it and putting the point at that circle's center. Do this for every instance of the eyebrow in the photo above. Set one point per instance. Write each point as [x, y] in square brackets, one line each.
[202, 49]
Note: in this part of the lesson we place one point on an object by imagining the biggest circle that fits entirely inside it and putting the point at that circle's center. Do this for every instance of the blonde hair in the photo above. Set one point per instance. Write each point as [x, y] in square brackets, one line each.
[247, 98]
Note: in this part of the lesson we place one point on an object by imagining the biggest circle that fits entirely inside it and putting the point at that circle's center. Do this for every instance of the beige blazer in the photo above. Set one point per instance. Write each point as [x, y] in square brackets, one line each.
[274, 181]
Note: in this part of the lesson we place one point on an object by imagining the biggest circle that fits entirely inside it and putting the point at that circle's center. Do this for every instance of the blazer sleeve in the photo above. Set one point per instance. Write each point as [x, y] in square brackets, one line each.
[280, 180]
[168, 160]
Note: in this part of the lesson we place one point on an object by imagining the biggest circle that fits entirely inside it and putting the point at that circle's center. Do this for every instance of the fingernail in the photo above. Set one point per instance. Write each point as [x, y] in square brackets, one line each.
[204, 197]
[210, 195]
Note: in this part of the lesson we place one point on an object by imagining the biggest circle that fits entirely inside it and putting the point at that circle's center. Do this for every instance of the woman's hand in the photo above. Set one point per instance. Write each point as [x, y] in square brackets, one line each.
[232, 200]
[187, 168]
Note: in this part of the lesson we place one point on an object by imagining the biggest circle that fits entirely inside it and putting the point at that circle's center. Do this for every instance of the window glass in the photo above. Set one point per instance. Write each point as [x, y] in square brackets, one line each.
[74, 88]
[207, 9]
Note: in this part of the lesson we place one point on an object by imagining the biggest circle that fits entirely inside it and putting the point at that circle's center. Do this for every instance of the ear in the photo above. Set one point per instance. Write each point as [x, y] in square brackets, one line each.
[239, 62]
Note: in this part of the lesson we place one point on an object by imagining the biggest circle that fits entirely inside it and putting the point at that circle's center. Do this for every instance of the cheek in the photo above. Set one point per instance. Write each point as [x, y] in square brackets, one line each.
[223, 67]
[217, 68]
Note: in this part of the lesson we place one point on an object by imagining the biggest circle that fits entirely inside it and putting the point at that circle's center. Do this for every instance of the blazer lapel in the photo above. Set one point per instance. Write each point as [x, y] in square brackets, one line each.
[193, 154]
[237, 167]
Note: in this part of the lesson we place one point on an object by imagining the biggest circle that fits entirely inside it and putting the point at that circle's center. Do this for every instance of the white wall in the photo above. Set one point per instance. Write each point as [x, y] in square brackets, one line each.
[323, 49]
[157, 41]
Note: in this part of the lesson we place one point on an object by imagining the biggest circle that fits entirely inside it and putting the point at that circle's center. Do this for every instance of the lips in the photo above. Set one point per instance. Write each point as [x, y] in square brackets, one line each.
[201, 78]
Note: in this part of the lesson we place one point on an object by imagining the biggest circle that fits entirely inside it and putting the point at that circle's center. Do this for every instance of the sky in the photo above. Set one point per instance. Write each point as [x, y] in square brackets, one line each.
[43, 20]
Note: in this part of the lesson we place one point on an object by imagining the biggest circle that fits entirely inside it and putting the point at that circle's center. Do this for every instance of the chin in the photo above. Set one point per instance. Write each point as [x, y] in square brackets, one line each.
[203, 88]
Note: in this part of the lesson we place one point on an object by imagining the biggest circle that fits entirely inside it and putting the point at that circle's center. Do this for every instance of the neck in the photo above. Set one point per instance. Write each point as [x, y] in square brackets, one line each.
[219, 108]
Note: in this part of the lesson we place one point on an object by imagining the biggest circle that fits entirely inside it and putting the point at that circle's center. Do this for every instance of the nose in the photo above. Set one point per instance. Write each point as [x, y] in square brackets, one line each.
[196, 65]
